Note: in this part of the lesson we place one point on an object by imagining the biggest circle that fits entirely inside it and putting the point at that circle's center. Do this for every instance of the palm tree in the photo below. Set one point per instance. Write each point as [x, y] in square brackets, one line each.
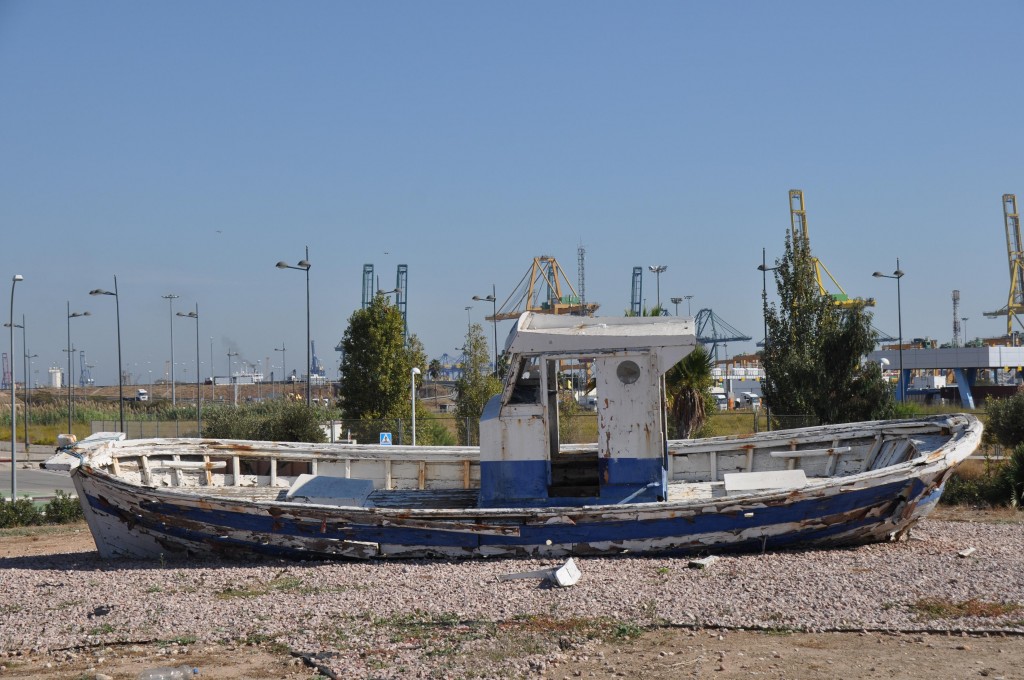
[688, 384]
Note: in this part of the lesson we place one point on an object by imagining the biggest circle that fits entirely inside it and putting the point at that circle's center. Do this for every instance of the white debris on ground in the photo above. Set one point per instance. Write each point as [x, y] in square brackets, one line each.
[405, 611]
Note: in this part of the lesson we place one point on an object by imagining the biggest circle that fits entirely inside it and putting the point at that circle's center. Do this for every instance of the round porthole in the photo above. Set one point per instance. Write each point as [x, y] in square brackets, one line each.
[628, 372]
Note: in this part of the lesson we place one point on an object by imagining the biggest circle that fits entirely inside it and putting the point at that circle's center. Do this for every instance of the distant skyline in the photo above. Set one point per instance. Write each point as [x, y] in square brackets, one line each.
[188, 147]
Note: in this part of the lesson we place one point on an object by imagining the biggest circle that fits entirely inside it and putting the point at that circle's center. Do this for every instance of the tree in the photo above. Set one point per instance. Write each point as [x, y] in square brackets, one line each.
[814, 353]
[475, 386]
[688, 385]
[376, 366]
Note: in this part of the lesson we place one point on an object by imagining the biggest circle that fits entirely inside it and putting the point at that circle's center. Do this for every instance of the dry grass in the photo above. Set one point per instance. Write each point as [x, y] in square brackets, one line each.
[934, 608]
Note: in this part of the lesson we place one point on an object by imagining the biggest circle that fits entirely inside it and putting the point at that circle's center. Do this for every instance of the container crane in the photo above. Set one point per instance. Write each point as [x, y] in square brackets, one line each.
[544, 288]
[1015, 256]
[798, 224]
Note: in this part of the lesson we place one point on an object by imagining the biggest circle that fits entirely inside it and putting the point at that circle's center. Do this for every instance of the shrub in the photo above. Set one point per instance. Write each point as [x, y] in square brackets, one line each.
[1006, 420]
[283, 421]
[19, 513]
[63, 509]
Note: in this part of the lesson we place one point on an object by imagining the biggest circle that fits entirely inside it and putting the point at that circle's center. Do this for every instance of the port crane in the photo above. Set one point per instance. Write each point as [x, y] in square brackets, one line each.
[798, 224]
[1015, 256]
[544, 288]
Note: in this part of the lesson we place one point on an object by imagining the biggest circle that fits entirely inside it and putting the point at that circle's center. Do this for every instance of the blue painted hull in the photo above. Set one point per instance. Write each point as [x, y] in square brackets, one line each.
[196, 527]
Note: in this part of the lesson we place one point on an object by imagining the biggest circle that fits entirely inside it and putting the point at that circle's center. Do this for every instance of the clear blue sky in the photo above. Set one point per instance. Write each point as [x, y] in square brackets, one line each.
[186, 147]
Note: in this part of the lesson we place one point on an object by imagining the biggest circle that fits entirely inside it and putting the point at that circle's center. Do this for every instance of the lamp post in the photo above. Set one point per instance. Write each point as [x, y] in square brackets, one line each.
[171, 297]
[764, 269]
[213, 375]
[26, 367]
[658, 269]
[964, 319]
[689, 312]
[304, 265]
[493, 299]
[281, 349]
[469, 322]
[676, 301]
[14, 422]
[229, 355]
[898, 274]
[415, 372]
[120, 375]
[199, 393]
[71, 315]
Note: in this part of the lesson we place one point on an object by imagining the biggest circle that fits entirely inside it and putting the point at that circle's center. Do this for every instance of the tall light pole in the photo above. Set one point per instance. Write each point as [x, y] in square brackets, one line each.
[469, 325]
[415, 372]
[304, 265]
[171, 297]
[658, 269]
[689, 312]
[213, 375]
[764, 269]
[493, 299]
[120, 374]
[71, 315]
[14, 422]
[898, 274]
[964, 319]
[27, 368]
[199, 393]
[282, 349]
[676, 301]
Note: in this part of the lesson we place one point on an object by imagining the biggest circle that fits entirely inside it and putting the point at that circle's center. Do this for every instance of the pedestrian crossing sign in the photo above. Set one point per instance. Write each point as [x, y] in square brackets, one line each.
[385, 439]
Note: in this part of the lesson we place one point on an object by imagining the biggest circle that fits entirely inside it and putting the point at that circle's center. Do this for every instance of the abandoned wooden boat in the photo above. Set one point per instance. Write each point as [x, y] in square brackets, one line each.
[521, 494]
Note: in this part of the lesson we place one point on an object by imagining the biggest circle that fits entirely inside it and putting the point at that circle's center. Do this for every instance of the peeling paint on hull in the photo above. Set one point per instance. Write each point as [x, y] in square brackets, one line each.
[132, 520]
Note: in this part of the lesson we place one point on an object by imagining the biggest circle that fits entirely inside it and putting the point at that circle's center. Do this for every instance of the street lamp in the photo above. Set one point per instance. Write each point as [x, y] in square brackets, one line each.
[25, 356]
[26, 367]
[689, 312]
[171, 297]
[199, 393]
[120, 376]
[658, 269]
[493, 299]
[469, 323]
[676, 301]
[898, 274]
[71, 315]
[282, 349]
[14, 422]
[412, 378]
[764, 269]
[304, 265]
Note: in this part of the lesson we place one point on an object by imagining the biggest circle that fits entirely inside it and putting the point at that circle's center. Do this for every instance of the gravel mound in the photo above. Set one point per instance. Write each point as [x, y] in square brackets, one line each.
[409, 619]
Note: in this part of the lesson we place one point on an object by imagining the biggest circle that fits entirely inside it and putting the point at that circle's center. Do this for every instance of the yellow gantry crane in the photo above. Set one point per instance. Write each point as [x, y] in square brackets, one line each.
[544, 288]
[1015, 255]
[798, 224]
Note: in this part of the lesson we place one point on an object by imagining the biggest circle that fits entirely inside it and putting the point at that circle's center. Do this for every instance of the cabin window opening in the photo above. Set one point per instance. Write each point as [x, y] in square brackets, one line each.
[526, 389]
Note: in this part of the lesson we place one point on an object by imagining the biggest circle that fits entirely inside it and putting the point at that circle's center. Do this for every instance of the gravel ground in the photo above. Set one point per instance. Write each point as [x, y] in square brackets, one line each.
[429, 618]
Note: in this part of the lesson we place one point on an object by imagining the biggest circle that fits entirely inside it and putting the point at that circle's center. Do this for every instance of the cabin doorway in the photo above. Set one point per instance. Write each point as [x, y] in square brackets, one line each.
[573, 474]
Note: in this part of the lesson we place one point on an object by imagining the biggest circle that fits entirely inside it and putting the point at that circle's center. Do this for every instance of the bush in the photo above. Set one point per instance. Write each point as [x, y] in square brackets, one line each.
[62, 509]
[20, 513]
[278, 420]
[1006, 420]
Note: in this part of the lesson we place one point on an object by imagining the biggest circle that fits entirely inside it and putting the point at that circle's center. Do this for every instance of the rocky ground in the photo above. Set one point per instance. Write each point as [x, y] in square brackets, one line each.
[914, 609]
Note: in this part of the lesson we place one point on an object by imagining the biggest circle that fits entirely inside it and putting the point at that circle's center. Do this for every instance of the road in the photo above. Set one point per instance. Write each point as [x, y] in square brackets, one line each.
[31, 480]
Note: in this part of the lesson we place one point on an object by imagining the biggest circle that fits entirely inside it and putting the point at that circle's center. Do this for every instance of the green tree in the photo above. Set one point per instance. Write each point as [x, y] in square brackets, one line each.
[688, 385]
[376, 367]
[475, 386]
[814, 354]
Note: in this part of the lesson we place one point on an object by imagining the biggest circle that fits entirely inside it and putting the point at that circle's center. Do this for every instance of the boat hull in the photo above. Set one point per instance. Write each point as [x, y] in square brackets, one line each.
[132, 521]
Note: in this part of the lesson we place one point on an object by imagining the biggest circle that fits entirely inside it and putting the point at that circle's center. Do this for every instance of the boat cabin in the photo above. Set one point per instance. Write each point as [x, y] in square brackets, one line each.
[521, 462]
